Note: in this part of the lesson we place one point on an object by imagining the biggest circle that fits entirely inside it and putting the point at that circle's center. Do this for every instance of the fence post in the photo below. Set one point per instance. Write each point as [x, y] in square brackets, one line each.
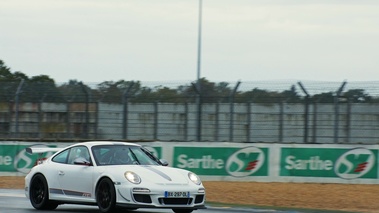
[314, 126]
[197, 88]
[40, 119]
[155, 120]
[217, 121]
[281, 116]
[125, 118]
[17, 100]
[306, 113]
[10, 114]
[40, 115]
[306, 119]
[68, 120]
[186, 121]
[337, 111]
[248, 134]
[231, 122]
[125, 99]
[199, 116]
[86, 125]
[348, 120]
[96, 119]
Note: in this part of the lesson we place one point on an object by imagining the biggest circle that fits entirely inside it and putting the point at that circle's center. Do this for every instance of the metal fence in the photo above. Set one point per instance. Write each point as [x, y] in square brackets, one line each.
[282, 122]
[250, 122]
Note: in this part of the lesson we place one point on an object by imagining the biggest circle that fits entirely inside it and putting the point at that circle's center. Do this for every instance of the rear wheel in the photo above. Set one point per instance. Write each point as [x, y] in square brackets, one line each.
[106, 196]
[182, 210]
[39, 194]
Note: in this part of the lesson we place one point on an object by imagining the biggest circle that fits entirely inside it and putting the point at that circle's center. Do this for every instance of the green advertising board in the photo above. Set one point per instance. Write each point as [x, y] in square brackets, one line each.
[223, 161]
[14, 158]
[329, 162]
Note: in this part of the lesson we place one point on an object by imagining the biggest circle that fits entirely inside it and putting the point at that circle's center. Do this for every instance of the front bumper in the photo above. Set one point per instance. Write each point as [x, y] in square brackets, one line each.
[156, 197]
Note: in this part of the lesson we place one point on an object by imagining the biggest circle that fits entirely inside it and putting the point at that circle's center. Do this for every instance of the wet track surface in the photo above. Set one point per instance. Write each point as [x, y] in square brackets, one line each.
[14, 201]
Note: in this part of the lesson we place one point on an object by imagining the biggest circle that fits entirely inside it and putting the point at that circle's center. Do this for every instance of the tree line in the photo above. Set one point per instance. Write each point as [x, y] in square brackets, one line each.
[42, 88]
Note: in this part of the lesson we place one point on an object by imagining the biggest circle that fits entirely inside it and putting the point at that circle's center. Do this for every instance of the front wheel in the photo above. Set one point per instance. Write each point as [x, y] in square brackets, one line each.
[106, 196]
[182, 210]
[39, 194]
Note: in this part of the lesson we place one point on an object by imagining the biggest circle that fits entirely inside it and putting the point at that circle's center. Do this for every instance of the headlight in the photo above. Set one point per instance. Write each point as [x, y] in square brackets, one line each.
[132, 177]
[194, 178]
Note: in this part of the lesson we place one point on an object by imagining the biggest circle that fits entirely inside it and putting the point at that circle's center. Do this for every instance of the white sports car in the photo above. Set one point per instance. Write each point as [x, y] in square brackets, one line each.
[111, 175]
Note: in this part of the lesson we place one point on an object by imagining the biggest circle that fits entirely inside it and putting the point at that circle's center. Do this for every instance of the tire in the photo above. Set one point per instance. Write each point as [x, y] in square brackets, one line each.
[182, 210]
[106, 196]
[39, 194]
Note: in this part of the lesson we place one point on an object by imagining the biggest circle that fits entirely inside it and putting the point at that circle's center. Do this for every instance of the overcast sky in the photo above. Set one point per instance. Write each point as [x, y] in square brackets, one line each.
[157, 40]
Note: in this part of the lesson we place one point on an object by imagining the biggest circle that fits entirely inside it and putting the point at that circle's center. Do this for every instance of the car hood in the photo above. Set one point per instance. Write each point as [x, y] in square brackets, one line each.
[158, 174]
[163, 175]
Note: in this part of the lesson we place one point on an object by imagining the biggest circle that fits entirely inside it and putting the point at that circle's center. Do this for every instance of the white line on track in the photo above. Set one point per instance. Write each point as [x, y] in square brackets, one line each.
[11, 195]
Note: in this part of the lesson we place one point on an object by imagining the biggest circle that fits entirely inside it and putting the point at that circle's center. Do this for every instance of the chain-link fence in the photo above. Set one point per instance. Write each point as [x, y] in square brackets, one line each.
[292, 112]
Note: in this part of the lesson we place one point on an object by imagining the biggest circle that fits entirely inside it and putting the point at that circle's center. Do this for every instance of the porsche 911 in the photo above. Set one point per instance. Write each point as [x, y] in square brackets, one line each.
[111, 175]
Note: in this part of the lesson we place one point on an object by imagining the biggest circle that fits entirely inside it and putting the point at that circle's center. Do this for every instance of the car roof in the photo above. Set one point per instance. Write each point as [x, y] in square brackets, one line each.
[96, 143]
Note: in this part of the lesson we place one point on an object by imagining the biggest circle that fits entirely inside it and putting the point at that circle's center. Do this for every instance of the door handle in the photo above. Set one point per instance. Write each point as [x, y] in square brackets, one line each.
[60, 173]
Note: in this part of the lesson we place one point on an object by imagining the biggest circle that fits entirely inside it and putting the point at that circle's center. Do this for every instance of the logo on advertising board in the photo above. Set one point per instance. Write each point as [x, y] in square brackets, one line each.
[223, 161]
[245, 162]
[329, 162]
[354, 163]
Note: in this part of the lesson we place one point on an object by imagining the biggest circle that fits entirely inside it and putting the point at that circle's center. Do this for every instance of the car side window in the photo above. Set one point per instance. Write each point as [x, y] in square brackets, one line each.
[61, 157]
[78, 152]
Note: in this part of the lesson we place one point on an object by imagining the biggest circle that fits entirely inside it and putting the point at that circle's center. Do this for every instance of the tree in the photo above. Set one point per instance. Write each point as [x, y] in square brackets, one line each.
[34, 89]
[291, 95]
[41, 88]
[5, 72]
[8, 85]
[9, 82]
[259, 96]
[210, 92]
[326, 97]
[115, 92]
[75, 91]
[165, 94]
[358, 96]
[215, 92]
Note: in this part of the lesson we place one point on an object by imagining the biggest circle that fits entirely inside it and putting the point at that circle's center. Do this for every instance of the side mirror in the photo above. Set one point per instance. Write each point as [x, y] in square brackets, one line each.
[163, 162]
[82, 161]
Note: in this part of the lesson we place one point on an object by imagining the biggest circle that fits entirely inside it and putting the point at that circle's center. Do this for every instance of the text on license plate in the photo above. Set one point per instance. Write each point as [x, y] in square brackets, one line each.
[176, 194]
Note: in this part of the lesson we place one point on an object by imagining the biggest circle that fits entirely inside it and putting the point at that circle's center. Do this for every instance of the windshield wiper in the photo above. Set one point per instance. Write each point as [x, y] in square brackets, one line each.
[153, 157]
[134, 156]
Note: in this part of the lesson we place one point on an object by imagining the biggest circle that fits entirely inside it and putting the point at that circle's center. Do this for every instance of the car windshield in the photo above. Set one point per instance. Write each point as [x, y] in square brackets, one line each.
[123, 155]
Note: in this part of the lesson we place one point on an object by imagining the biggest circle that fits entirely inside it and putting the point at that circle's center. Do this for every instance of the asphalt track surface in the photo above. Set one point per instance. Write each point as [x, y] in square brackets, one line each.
[14, 201]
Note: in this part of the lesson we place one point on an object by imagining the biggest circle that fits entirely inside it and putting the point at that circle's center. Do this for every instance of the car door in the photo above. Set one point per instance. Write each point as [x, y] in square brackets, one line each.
[76, 179]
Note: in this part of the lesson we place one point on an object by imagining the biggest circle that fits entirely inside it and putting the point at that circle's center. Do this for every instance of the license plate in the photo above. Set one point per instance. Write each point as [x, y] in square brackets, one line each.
[176, 194]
